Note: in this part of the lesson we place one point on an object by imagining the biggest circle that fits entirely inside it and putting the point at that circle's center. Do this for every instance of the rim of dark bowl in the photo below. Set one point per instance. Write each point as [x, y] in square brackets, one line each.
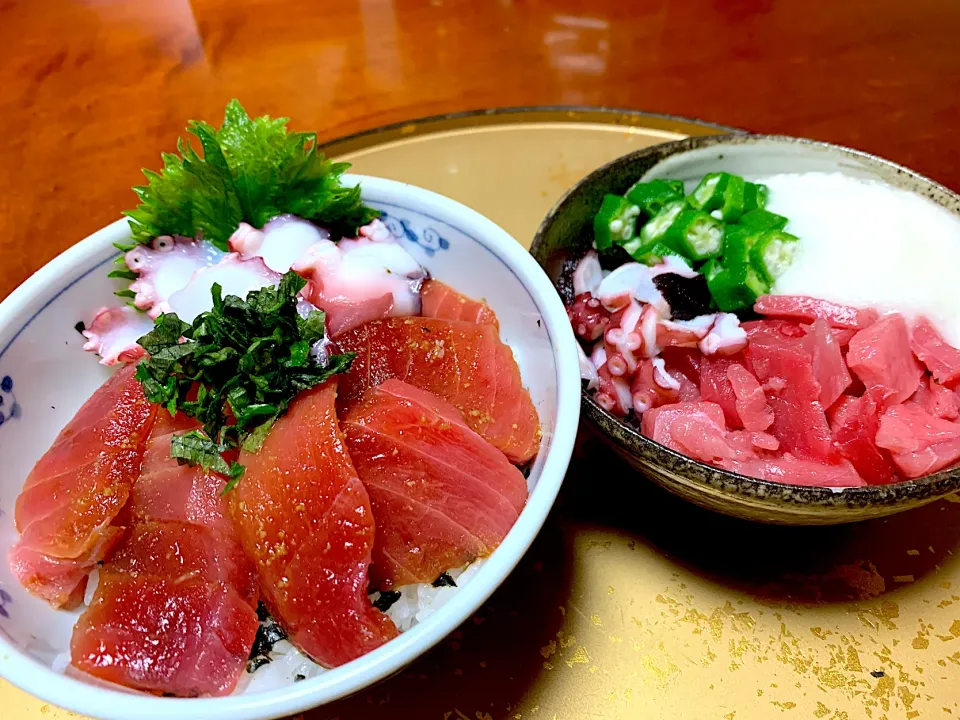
[629, 439]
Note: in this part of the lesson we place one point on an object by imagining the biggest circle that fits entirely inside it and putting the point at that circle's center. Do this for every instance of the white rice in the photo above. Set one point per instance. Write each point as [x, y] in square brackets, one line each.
[418, 602]
[93, 580]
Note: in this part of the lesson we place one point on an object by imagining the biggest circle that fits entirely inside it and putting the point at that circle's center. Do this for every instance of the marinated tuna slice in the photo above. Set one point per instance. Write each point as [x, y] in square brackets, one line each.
[881, 357]
[441, 495]
[920, 443]
[829, 368]
[175, 608]
[937, 400]
[854, 422]
[941, 359]
[71, 497]
[444, 303]
[304, 518]
[786, 373]
[807, 309]
[794, 471]
[463, 363]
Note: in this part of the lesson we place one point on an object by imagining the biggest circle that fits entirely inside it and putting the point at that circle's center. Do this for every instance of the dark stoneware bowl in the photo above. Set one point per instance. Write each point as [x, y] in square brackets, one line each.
[566, 233]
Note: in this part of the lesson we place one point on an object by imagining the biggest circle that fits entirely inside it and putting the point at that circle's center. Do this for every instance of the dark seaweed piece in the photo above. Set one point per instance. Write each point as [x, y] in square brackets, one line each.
[385, 600]
[268, 634]
[298, 677]
[254, 664]
[687, 297]
[877, 673]
[444, 581]
[564, 282]
[80, 327]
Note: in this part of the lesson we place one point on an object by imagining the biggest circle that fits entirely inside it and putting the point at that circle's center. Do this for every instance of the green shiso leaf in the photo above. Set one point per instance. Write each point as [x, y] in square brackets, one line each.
[251, 170]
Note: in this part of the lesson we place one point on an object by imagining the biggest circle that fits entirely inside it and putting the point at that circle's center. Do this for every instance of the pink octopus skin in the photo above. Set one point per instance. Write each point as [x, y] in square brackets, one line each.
[363, 279]
[114, 332]
[588, 317]
[164, 267]
[281, 243]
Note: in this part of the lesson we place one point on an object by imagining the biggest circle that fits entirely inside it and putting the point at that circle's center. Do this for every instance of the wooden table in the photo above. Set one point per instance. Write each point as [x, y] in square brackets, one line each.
[92, 90]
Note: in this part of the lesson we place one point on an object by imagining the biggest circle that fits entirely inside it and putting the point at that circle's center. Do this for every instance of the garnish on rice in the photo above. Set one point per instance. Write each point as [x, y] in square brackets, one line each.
[235, 369]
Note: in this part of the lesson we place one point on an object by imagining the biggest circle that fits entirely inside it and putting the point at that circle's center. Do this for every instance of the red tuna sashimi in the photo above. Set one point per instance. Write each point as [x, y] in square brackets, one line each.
[75, 491]
[441, 495]
[881, 357]
[793, 392]
[941, 359]
[715, 386]
[695, 429]
[794, 471]
[829, 368]
[937, 400]
[463, 363]
[854, 422]
[809, 309]
[175, 609]
[920, 443]
[439, 300]
[751, 404]
[304, 518]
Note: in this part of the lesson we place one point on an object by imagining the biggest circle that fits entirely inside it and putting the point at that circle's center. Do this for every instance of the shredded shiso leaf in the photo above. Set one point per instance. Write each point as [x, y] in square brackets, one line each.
[236, 369]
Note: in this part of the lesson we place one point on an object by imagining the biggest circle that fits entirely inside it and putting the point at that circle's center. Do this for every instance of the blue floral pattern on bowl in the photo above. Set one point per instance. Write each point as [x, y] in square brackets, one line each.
[5, 600]
[429, 239]
[9, 408]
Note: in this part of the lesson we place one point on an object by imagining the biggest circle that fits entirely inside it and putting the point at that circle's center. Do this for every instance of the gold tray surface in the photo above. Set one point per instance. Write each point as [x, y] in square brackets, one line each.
[631, 603]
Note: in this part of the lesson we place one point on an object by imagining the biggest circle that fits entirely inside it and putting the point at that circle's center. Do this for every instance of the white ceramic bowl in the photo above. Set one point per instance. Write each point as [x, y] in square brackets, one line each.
[45, 377]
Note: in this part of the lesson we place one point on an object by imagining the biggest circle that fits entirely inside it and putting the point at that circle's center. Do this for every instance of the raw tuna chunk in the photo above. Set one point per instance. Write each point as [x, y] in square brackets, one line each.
[715, 386]
[793, 471]
[854, 422]
[786, 372]
[463, 363]
[751, 404]
[881, 357]
[695, 429]
[920, 443]
[809, 309]
[937, 400]
[441, 495]
[304, 518]
[71, 497]
[175, 608]
[941, 359]
[828, 366]
[444, 303]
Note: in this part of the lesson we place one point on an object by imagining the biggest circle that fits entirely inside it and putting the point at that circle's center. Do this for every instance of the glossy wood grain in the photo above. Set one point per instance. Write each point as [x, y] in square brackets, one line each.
[94, 89]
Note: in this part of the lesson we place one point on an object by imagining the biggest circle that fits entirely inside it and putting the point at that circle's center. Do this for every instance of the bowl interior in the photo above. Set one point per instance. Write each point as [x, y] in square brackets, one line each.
[46, 376]
[567, 233]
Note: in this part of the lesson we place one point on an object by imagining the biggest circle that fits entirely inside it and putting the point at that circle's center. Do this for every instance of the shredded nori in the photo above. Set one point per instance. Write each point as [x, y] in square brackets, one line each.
[298, 677]
[444, 581]
[877, 673]
[80, 327]
[385, 600]
[268, 634]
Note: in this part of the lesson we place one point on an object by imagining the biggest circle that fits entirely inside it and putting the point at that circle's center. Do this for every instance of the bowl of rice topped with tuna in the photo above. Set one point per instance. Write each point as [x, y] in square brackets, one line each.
[290, 437]
[767, 326]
